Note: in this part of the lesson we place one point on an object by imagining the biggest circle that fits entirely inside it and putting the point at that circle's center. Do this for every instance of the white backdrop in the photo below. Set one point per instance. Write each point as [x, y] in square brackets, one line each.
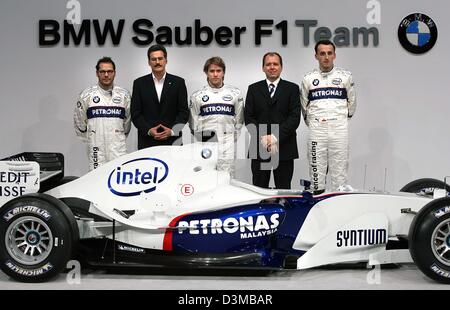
[401, 123]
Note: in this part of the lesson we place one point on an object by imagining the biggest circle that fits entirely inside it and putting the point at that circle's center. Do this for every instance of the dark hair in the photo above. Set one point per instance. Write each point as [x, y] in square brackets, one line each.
[156, 47]
[105, 60]
[214, 61]
[324, 42]
[272, 54]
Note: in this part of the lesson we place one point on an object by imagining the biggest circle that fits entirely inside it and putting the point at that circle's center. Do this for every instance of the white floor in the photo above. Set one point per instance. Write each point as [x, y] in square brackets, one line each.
[406, 277]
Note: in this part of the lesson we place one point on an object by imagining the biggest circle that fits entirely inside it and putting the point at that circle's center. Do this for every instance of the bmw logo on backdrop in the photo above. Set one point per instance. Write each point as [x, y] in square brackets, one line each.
[417, 33]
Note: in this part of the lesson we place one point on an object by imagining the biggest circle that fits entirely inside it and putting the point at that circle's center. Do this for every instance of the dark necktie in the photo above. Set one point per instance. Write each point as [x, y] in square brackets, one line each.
[271, 89]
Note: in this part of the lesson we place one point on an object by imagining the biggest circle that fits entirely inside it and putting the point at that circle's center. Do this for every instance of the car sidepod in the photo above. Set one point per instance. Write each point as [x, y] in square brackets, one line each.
[356, 227]
[259, 234]
[241, 230]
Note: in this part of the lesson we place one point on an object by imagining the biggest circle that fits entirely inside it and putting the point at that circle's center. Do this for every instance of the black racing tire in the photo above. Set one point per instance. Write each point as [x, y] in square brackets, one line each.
[425, 187]
[429, 239]
[36, 238]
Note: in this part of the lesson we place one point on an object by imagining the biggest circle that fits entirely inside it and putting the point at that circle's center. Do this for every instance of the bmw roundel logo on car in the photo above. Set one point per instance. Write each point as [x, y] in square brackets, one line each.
[137, 176]
[417, 33]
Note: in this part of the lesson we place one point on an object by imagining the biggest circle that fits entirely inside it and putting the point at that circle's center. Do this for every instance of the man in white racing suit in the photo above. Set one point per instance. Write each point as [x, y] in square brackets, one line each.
[102, 116]
[328, 101]
[217, 110]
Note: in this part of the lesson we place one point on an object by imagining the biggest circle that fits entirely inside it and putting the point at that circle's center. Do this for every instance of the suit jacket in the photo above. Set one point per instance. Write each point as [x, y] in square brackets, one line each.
[283, 109]
[147, 111]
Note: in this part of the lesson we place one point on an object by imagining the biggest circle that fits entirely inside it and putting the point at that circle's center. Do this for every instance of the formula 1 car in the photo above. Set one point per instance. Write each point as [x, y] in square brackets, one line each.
[169, 206]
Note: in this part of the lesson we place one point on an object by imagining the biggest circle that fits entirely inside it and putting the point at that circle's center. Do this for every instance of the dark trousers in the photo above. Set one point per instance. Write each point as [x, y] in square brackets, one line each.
[146, 141]
[282, 174]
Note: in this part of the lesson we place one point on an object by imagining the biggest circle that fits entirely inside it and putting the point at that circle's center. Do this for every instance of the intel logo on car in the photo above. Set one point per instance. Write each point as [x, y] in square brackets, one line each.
[137, 176]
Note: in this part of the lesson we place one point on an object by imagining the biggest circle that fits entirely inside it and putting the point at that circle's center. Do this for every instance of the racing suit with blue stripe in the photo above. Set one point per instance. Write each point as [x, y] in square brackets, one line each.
[102, 119]
[219, 110]
[328, 101]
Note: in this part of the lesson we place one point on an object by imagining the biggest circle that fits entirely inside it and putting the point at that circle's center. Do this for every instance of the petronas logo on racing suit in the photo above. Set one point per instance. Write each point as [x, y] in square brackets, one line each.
[217, 109]
[327, 93]
[94, 112]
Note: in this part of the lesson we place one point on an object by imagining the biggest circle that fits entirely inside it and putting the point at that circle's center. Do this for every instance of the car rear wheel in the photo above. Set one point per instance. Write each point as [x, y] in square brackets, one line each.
[429, 237]
[35, 239]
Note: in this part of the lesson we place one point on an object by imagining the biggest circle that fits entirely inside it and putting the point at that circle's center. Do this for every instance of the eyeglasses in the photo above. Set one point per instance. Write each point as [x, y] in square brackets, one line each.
[103, 72]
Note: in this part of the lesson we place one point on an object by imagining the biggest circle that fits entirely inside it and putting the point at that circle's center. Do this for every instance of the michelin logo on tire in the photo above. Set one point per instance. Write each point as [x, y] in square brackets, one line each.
[443, 273]
[441, 212]
[29, 272]
[27, 209]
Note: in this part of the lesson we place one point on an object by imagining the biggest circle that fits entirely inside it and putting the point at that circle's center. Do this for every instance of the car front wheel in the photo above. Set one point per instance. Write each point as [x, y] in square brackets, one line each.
[424, 187]
[429, 237]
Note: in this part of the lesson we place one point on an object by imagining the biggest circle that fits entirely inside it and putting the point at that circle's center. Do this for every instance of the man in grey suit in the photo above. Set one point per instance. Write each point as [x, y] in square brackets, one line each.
[159, 106]
[272, 115]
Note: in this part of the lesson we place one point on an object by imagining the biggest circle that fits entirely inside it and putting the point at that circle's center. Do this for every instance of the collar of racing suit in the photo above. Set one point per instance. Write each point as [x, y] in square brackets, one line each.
[216, 89]
[325, 73]
[106, 92]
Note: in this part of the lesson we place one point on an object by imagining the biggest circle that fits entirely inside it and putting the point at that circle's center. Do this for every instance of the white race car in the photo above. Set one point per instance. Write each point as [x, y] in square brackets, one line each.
[168, 206]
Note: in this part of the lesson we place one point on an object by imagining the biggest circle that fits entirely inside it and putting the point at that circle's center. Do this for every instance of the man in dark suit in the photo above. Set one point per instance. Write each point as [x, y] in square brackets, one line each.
[159, 107]
[272, 115]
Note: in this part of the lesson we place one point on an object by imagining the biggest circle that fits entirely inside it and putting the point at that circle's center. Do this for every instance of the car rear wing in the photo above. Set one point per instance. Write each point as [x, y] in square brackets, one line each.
[51, 166]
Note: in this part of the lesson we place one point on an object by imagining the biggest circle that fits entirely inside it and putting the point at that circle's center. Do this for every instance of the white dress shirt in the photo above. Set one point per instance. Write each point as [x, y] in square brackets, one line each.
[159, 85]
